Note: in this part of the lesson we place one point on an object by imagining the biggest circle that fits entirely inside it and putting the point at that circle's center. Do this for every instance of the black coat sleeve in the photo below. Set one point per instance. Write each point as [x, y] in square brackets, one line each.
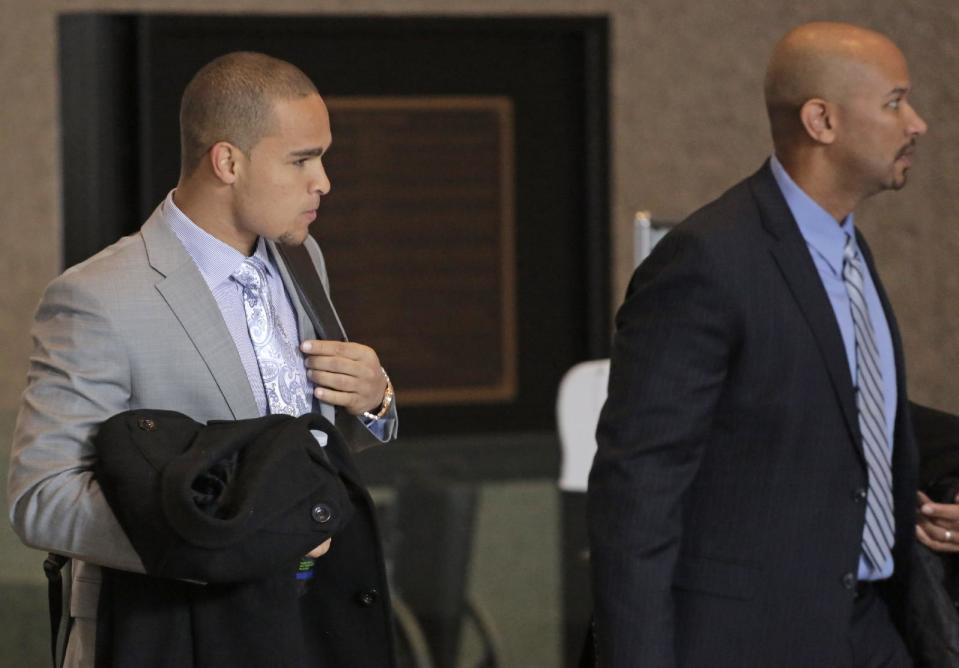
[675, 336]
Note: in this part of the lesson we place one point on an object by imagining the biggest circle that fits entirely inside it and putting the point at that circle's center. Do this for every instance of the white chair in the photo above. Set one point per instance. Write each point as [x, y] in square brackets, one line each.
[582, 393]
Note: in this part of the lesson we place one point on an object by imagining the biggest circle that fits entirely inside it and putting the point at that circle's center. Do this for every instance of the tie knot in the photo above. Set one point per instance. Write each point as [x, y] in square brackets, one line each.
[850, 253]
[251, 274]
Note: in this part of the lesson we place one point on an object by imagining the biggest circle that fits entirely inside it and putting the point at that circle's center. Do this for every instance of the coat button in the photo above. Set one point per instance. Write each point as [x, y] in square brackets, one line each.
[322, 513]
[849, 581]
[368, 597]
[146, 424]
[860, 494]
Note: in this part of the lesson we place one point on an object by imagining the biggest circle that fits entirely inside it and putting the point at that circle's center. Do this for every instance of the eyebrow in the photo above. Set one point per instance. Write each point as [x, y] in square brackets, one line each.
[898, 90]
[307, 153]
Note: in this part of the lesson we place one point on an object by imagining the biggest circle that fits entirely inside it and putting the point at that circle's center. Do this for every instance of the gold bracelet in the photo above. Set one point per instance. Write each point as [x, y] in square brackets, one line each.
[387, 400]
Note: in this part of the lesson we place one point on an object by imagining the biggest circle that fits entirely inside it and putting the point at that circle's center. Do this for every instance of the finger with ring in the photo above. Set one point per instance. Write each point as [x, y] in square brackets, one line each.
[948, 536]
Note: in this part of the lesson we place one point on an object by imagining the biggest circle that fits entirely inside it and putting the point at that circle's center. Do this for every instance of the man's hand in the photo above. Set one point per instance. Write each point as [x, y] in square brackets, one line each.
[320, 549]
[346, 374]
[938, 525]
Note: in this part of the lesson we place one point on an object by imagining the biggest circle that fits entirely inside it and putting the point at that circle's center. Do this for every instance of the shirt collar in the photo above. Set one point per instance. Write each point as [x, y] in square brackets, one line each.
[817, 227]
[215, 259]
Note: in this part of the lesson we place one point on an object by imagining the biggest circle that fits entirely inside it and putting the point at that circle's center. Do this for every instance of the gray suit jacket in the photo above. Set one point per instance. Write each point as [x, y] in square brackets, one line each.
[135, 326]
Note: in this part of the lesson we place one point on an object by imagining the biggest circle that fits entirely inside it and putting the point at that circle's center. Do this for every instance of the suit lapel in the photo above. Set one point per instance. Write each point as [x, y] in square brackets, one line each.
[303, 323]
[792, 255]
[305, 327]
[187, 295]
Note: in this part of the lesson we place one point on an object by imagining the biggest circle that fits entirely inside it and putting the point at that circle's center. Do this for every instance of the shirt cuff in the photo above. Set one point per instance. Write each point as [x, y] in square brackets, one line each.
[384, 428]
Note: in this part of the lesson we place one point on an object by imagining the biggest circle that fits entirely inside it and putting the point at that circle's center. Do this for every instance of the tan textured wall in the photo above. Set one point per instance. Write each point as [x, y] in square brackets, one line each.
[686, 122]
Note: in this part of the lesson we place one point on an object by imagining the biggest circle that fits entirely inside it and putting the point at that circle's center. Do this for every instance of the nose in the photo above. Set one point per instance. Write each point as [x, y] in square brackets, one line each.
[321, 180]
[916, 127]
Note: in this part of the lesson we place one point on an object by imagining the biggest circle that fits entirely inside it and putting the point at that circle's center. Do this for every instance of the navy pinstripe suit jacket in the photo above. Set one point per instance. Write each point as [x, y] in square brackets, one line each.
[725, 501]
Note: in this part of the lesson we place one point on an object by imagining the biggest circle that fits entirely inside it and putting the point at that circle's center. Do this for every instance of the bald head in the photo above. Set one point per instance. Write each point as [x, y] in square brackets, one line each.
[818, 60]
[231, 99]
[839, 109]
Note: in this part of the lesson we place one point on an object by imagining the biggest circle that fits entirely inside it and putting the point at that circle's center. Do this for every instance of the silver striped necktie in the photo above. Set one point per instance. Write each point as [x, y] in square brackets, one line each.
[275, 353]
[879, 534]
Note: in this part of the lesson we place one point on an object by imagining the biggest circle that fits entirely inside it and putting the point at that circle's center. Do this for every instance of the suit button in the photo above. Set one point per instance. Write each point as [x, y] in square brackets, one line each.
[368, 597]
[322, 513]
[146, 424]
[849, 581]
[860, 494]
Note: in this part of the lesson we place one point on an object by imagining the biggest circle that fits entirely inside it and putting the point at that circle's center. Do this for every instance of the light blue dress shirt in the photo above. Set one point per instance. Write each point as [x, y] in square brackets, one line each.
[826, 240]
[217, 261]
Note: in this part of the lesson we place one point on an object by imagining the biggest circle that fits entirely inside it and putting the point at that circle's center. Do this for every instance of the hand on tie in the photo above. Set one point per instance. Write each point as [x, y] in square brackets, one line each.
[346, 374]
[938, 525]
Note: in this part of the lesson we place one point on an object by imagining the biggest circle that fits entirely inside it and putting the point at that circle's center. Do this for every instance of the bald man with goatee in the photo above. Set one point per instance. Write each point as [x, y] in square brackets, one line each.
[752, 500]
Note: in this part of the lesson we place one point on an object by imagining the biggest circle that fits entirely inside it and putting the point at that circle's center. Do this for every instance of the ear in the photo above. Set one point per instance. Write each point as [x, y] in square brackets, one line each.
[224, 158]
[818, 118]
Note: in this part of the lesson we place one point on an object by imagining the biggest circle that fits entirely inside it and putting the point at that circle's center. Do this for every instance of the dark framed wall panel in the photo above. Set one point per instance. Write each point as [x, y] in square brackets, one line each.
[426, 193]
[100, 127]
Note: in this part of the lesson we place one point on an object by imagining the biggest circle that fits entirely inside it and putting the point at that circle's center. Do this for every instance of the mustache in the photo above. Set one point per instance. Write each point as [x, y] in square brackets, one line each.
[908, 149]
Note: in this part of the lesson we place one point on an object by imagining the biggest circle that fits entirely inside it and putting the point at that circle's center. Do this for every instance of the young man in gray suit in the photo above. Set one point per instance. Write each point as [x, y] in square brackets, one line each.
[752, 499]
[168, 318]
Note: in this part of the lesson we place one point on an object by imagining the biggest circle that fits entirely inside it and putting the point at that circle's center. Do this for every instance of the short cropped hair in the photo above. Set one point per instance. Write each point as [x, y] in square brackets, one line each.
[230, 99]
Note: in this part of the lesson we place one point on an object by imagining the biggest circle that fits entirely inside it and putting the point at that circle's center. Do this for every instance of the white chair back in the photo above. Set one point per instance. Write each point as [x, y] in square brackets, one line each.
[582, 393]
